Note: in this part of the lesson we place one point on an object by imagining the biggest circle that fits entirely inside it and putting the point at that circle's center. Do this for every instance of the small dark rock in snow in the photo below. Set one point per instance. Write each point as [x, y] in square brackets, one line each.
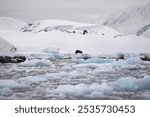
[30, 24]
[78, 51]
[85, 32]
[145, 58]
[121, 56]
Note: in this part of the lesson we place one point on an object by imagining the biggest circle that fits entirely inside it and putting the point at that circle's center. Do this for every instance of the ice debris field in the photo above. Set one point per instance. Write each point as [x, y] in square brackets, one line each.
[109, 65]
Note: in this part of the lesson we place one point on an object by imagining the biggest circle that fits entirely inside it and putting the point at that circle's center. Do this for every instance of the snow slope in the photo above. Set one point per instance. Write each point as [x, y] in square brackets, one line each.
[6, 47]
[7, 23]
[131, 20]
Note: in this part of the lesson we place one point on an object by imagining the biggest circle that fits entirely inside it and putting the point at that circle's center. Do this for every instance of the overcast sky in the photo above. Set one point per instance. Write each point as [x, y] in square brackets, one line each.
[76, 10]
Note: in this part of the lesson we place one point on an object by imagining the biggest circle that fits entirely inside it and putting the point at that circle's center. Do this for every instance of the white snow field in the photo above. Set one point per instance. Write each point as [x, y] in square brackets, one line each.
[6, 48]
[112, 66]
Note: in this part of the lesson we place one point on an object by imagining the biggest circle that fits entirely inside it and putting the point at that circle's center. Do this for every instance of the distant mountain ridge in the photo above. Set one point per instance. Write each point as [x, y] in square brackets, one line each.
[8, 23]
[132, 21]
[68, 27]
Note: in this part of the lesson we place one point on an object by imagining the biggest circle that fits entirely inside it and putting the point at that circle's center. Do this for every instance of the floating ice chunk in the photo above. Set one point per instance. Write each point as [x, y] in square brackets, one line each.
[134, 60]
[62, 75]
[119, 63]
[42, 55]
[71, 90]
[131, 84]
[104, 90]
[124, 84]
[57, 75]
[32, 80]
[83, 90]
[13, 85]
[97, 94]
[37, 63]
[143, 83]
[53, 51]
[93, 60]
[130, 64]
[89, 66]
[6, 92]
[104, 67]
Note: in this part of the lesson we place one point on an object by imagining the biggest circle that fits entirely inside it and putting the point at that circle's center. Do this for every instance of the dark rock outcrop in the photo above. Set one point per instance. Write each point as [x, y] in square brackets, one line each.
[14, 59]
[78, 51]
[85, 32]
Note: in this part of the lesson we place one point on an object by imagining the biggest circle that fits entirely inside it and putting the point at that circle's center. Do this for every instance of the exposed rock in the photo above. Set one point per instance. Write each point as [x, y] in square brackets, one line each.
[85, 32]
[78, 51]
[8, 53]
[120, 56]
[143, 29]
[145, 57]
[15, 59]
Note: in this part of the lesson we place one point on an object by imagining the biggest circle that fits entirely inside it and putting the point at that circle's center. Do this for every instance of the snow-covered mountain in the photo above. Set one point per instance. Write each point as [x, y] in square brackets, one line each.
[68, 27]
[132, 21]
[7, 23]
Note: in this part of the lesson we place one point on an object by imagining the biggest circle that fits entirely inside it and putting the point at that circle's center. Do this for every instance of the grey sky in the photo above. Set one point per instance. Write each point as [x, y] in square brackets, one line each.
[76, 10]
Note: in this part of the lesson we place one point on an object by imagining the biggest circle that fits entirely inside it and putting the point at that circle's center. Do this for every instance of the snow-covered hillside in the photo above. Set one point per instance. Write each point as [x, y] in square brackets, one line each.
[6, 47]
[68, 27]
[98, 40]
[7, 23]
[131, 20]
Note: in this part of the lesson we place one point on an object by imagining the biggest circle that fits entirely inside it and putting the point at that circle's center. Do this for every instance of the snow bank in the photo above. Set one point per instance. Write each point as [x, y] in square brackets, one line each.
[6, 47]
